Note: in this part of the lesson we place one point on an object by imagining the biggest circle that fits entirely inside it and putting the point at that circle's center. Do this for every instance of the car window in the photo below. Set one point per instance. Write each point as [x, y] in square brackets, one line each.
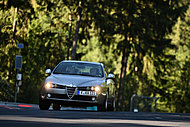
[76, 68]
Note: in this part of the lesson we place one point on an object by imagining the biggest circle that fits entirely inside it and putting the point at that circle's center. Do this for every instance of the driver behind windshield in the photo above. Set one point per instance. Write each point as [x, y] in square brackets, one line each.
[71, 70]
[94, 71]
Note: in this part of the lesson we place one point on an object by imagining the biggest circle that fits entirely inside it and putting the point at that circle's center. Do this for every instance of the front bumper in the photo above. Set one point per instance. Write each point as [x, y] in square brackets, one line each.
[62, 96]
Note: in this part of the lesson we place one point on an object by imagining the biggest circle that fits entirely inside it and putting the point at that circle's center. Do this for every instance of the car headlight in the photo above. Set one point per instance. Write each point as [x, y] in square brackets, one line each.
[96, 88]
[48, 85]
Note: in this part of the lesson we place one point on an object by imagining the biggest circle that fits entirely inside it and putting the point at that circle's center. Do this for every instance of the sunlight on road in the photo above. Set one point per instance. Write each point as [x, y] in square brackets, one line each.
[92, 121]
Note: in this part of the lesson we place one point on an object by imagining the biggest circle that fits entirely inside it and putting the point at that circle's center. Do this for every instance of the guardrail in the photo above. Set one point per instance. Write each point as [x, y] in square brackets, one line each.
[134, 95]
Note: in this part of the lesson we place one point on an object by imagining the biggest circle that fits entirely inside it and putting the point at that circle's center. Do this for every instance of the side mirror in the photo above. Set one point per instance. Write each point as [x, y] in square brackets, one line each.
[111, 76]
[48, 71]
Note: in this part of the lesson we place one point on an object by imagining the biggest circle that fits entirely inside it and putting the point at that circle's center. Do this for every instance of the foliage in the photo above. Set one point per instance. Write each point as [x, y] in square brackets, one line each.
[6, 94]
[179, 75]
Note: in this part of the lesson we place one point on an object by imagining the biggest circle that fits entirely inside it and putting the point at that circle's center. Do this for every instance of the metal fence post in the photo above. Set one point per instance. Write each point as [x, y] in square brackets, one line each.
[156, 104]
[131, 103]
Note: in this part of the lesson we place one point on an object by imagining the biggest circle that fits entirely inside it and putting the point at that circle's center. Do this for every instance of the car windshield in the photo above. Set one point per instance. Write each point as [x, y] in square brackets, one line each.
[76, 68]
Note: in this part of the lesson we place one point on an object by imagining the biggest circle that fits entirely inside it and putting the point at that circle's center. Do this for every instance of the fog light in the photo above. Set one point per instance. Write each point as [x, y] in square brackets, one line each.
[48, 95]
[93, 99]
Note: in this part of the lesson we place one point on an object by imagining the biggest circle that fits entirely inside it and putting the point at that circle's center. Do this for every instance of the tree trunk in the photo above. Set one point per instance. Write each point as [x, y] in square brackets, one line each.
[14, 23]
[9, 76]
[69, 40]
[3, 5]
[122, 79]
[73, 55]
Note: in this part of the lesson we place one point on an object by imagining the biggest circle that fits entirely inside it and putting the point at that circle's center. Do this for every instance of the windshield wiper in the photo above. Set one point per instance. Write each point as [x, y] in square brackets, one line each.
[59, 73]
[89, 75]
[65, 73]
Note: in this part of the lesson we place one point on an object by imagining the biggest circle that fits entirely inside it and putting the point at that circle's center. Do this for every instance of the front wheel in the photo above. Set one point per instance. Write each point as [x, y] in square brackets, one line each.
[112, 107]
[104, 106]
[43, 105]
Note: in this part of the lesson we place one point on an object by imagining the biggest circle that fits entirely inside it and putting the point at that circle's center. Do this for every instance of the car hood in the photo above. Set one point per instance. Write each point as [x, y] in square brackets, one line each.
[75, 80]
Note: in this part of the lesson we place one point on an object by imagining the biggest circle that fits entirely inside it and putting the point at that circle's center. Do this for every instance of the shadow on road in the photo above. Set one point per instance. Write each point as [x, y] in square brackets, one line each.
[30, 116]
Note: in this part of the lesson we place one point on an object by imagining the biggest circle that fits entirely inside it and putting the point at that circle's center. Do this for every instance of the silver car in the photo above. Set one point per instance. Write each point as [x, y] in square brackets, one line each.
[78, 84]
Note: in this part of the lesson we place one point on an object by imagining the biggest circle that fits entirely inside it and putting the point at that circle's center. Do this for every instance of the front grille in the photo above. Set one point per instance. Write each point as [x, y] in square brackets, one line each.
[59, 96]
[84, 88]
[84, 98]
[69, 88]
[60, 86]
[70, 91]
[76, 97]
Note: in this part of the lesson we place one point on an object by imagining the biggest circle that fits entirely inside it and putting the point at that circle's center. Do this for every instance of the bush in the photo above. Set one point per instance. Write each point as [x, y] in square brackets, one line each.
[6, 94]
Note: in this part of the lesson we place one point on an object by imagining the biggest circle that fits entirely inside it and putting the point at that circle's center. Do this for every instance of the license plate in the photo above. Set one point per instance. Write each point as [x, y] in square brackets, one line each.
[88, 93]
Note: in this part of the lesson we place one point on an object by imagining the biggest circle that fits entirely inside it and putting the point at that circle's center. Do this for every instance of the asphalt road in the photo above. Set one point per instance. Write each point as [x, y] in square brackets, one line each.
[27, 115]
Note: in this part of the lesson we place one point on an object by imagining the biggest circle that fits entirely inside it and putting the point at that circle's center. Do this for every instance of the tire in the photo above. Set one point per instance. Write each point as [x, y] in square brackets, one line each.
[103, 107]
[112, 107]
[43, 105]
[56, 106]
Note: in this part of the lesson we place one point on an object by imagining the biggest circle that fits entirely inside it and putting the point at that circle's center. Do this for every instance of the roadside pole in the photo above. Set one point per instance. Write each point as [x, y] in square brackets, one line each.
[18, 66]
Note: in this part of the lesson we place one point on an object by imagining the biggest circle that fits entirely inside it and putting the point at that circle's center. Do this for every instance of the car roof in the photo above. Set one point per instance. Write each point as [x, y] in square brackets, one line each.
[75, 61]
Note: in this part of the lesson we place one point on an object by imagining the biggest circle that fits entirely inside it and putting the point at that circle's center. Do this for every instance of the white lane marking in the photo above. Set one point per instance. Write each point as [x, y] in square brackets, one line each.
[94, 121]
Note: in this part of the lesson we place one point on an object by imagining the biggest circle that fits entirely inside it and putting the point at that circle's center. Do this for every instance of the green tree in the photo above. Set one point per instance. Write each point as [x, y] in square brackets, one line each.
[179, 77]
[141, 26]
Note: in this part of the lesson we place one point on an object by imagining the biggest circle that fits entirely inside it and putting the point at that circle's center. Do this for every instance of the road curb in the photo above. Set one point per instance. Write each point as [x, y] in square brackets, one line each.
[18, 104]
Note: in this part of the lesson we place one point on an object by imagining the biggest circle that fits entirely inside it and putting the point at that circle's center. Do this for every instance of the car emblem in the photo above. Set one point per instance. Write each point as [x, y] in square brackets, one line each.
[71, 91]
